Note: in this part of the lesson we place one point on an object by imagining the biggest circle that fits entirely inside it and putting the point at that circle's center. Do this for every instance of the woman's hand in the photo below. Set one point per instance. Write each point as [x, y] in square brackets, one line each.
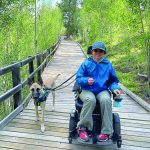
[117, 92]
[90, 81]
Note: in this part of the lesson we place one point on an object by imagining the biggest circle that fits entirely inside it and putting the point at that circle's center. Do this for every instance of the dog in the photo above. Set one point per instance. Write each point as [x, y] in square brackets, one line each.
[40, 92]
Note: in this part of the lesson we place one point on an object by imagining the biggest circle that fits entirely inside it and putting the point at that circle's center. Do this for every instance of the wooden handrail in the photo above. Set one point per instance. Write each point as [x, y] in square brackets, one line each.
[9, 68]
[28, 60]
[10, 92]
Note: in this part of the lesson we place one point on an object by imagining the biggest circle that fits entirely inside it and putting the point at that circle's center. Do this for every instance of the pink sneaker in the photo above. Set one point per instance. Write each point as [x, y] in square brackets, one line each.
[102, 137]
[83, 135]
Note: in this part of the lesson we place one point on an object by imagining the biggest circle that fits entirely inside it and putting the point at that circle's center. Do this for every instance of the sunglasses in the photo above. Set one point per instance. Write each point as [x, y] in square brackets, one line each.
[98, 50]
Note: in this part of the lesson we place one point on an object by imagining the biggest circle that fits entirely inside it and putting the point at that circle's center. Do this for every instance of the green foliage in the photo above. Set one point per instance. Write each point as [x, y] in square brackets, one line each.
[17, 34]
[49, 26]
[70, 13]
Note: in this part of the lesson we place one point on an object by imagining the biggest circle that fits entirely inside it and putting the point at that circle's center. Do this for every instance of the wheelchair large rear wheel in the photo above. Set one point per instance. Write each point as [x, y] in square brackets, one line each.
[117, 130]
[72, 127]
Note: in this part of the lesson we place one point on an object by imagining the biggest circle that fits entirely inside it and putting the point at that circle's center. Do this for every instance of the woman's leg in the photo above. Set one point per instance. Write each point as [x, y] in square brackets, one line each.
[104, 99]
[89, 102]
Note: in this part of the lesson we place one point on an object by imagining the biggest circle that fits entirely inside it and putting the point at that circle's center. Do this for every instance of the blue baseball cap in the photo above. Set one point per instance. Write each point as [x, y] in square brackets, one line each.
[99, 45]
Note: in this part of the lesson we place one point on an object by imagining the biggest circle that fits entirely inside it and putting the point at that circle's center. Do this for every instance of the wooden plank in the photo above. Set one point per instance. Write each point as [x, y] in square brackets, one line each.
[46, 116]
[127, 147]
[136, 129]
[135, 133]
[48, 112]
[33, 122]
[37, 127]
[35, 136]
[136, 143]
[3, 148]
[41, 143]
[135, 122]
[137, 139]
[135, 125]
[46, 119]
[21, 146]
[135, 116]
[36, 131]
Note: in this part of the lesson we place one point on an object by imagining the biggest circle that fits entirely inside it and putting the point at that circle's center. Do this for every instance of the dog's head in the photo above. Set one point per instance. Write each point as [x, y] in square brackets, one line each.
[35, 88]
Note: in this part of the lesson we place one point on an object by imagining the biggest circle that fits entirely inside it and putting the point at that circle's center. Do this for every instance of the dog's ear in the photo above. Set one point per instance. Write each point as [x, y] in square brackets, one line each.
[40, 81]
[30, 82]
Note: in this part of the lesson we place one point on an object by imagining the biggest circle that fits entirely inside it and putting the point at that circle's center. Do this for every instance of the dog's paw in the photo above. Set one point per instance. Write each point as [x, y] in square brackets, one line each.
[53, 108]
[42, 128]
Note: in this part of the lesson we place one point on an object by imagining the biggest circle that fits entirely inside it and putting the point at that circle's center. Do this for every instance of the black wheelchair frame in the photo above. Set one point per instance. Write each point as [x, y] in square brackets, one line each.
[74, 118]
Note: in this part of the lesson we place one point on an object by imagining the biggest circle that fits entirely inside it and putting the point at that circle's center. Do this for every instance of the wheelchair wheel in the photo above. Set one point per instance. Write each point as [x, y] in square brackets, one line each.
[117, 128]
[72, 127]
[70, 140]
[119, 143]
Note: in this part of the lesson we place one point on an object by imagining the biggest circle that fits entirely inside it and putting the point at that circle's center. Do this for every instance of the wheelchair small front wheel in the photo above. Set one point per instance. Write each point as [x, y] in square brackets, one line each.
[70, 140]
[119, 143]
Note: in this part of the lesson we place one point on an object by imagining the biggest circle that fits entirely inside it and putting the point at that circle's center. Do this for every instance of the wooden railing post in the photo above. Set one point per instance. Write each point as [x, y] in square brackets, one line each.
[148, 62]
[43, 57]
[50, 57]
[48, 52]
[16, 80]
[31, 68]
[38, 64]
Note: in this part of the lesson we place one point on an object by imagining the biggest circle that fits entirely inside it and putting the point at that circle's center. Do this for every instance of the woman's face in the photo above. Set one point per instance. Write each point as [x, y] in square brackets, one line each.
[98, 54]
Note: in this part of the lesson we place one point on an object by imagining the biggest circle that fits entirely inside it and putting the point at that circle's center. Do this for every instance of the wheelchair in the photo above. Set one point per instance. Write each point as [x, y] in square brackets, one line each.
[74, 119]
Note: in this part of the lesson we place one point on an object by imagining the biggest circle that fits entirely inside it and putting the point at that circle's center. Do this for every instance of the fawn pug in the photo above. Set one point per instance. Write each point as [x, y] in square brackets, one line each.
[40, 93]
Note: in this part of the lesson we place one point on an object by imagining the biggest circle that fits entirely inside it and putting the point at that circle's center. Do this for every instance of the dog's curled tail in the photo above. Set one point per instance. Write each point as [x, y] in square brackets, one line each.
[57, 76]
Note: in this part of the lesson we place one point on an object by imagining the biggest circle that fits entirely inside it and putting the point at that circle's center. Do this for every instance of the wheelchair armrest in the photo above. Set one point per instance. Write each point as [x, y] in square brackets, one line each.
[76, 88]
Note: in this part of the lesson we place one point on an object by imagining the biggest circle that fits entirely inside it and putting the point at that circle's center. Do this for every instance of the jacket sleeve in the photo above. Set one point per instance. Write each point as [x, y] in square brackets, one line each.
[113, 80]
[81, 79]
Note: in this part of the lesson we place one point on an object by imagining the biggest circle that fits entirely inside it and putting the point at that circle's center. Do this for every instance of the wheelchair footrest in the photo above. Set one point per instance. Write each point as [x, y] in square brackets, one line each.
[90, 142]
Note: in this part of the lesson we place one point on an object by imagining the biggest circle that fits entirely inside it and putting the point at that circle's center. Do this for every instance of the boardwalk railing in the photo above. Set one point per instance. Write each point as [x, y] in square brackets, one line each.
[18, 85]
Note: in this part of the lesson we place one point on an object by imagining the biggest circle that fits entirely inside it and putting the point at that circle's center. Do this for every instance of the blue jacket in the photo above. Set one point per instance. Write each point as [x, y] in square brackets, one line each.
[103, 74]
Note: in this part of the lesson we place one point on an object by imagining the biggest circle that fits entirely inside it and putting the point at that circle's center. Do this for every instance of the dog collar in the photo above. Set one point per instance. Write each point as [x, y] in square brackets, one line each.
[43, 96]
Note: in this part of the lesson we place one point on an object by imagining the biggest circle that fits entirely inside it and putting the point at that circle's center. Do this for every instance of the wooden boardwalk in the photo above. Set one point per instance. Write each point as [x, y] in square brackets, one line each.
[23, 132]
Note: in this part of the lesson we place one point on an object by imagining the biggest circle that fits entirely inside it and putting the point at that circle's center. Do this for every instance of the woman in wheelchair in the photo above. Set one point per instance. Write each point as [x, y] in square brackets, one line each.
[97, 77]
